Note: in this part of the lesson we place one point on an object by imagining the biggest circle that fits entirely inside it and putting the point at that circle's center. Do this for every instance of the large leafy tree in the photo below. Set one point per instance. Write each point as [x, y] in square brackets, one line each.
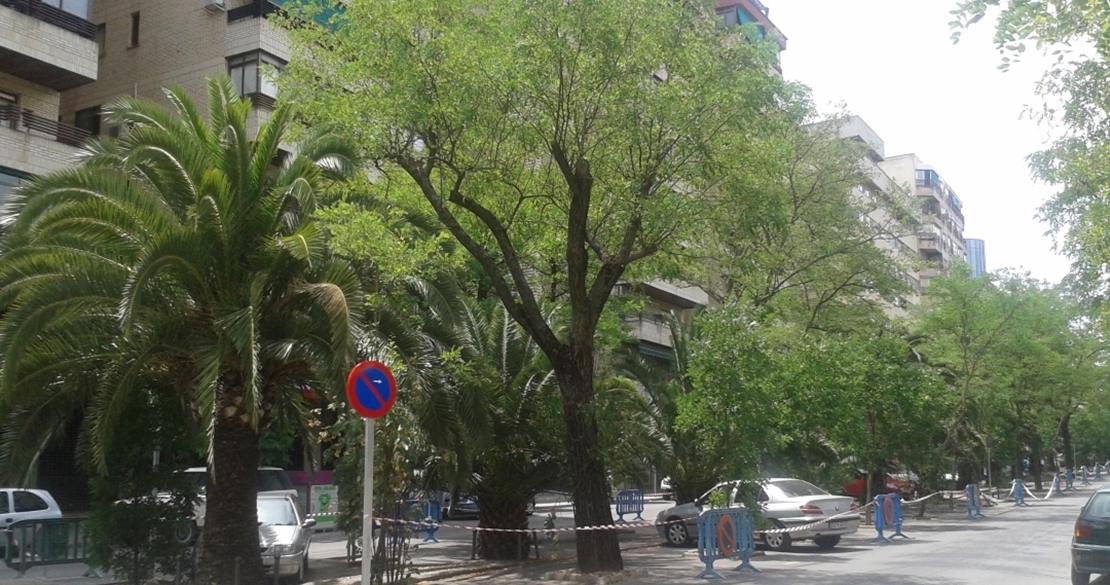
[185, 251]
[572, 137]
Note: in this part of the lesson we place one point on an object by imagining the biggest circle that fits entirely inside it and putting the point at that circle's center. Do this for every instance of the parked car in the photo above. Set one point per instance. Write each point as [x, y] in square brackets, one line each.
[1090, 544]
[785, 502]
[20, 504]
[284, 534]
[901, 483]
[270, 480]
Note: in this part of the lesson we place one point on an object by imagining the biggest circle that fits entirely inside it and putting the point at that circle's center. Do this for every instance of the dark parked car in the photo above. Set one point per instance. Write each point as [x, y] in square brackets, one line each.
[1090, 545]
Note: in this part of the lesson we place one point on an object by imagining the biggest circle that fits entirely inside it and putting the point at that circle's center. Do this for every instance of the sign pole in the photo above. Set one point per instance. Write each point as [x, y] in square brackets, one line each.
[368, 503]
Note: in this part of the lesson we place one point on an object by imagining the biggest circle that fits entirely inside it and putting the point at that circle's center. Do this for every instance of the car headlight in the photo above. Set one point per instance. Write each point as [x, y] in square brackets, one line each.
[282, 549]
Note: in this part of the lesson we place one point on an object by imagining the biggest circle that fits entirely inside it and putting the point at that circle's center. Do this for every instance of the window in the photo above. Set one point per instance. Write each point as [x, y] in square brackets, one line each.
[101, 38]
[134, 29]
[74, 7]
[28, 502]
[248, 73]
[88, 120]
[8, 182]
[4, 507]
[9, 110]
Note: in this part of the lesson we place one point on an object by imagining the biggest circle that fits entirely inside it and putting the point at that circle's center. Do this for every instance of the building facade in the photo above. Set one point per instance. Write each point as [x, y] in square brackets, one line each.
[46, 47]
[940, 241]
[976, 256]
[147, 45]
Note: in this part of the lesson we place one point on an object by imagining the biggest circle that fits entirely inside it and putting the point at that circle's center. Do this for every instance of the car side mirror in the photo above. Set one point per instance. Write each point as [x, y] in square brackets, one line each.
[309, 523]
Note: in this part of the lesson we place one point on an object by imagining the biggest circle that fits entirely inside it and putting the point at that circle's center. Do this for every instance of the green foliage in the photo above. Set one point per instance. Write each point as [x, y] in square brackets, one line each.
[183, 252]
[140, 510]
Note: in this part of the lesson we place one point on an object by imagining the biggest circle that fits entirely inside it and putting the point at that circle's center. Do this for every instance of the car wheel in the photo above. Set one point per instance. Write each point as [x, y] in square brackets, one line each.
[1078, 578]
[677, 534]
[826, 541]
[184, 532]
[777, 541]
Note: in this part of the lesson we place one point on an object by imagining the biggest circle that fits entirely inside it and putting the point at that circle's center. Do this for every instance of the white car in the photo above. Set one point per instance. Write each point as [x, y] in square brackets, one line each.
[17, 505]
[270, 480]
[786, 503]
[284, 534]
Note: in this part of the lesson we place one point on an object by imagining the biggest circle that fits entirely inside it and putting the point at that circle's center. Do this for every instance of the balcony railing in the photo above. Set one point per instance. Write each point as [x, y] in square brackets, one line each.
[25, 120]
[256, 9]
[55, 16]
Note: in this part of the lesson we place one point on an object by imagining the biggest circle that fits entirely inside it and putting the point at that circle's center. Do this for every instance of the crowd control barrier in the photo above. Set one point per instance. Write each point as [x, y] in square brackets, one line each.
[1055, 490]
[1019, 490]
[429, 512]
[630, 502]
[1098, 472]
[725, 533]
[56, 541]
[1069, 478]
[974, 502]
[888, 514]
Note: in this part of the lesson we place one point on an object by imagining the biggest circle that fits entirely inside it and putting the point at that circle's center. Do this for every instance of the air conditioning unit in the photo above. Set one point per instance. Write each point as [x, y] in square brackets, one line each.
[214, 5]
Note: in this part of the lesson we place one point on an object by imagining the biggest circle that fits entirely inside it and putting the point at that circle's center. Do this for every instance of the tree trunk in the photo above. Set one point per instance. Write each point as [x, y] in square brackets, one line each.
[503, 513]
[598, 550]
[230, 535]
[1065, 436]
[1035, 466]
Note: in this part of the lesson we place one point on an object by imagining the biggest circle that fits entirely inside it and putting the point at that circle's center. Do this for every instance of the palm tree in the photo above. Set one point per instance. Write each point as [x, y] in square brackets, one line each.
[495, 424]
[184, 251]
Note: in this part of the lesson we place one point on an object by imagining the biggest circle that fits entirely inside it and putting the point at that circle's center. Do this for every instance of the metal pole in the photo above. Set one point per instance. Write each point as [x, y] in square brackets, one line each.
[368, 502]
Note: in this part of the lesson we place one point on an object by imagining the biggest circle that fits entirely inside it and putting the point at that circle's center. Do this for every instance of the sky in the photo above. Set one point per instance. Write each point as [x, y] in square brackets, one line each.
[892, 62]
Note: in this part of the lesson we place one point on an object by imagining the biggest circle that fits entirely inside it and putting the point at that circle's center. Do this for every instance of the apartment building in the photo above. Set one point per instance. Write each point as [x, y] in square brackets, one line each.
[146, 45]
[897, 236]
[46, 47]
[940, 242]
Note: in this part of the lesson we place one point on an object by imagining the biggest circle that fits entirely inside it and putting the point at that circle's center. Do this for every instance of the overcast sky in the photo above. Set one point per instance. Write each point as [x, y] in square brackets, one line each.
[892, 63]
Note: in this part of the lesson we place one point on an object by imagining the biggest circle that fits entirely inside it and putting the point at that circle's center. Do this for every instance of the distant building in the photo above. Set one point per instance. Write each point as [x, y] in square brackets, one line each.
[940, 240]
[976, 256]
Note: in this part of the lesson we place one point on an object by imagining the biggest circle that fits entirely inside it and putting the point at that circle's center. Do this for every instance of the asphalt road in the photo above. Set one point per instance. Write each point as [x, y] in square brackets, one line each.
[1012, 546]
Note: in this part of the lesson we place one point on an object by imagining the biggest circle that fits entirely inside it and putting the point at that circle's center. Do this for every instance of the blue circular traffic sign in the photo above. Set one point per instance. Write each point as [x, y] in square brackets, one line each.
[371, 389]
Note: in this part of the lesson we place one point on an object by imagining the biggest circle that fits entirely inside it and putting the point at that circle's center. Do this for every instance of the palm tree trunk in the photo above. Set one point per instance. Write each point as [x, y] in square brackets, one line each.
[598, 550]
[229, 545]
[502, 513]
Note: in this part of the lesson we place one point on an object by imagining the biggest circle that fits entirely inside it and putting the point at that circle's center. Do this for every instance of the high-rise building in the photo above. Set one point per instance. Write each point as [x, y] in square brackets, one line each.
[976, 256]
[881, 197]
[46, 47]
[940, 240]
[151, 44]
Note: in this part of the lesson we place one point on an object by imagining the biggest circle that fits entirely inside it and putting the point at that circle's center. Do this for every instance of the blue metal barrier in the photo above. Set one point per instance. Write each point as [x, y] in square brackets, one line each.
[45, 542]
[888, 514]
[630, 502]
[725, 533]
[1083, 476]
[1069, 477]
[974, 503]
[1019, 493]
[1055, 490]
[1098, 472]
[423, 511]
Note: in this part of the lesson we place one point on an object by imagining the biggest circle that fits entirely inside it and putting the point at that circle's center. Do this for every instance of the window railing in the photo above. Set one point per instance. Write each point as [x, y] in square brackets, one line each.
[55, 16]
[12, 116]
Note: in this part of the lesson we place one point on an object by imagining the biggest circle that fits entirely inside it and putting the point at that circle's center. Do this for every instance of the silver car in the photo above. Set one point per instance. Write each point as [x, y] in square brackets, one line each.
[785, 502]
[284, 534]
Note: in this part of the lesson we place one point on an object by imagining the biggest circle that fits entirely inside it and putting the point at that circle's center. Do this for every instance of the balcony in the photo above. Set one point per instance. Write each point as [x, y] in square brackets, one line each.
[24, 120]
[650, 328]
[46, 45]
[264, 8]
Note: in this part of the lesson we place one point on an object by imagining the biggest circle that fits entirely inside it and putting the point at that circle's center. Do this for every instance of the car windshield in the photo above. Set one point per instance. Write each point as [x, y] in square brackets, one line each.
[276, 513]
[793, 488]
[1098, 507]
